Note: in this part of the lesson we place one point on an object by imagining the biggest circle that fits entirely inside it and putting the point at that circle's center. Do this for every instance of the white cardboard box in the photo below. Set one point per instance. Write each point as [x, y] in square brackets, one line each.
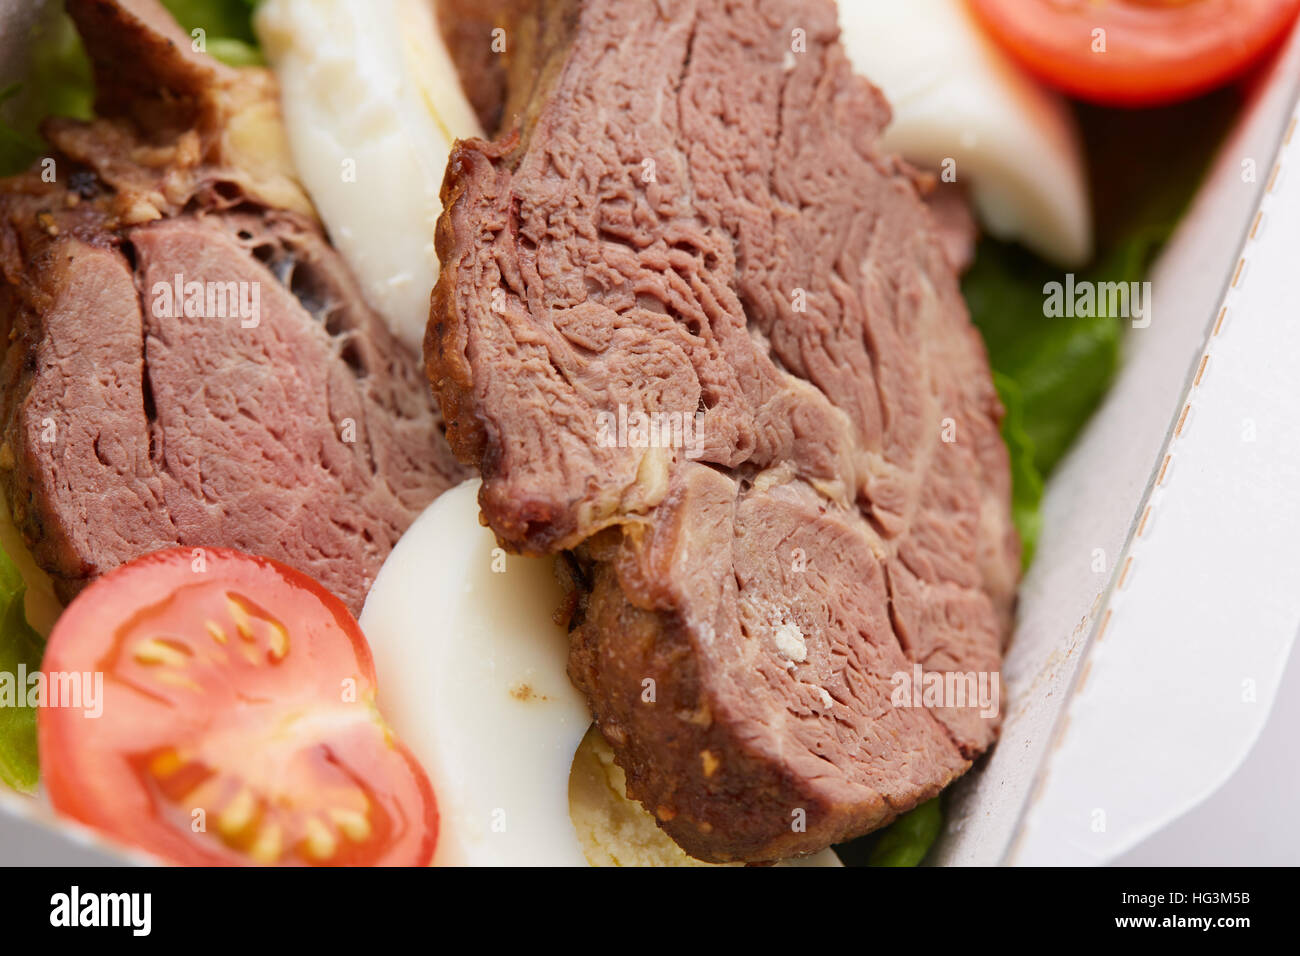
[1138, 692]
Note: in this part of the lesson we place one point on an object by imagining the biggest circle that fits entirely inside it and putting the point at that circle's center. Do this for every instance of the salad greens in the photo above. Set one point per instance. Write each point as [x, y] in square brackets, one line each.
[58, 84]
[228, 25]
[1052, 373]
[1056, 369]
[1026, 479]
[20, 645]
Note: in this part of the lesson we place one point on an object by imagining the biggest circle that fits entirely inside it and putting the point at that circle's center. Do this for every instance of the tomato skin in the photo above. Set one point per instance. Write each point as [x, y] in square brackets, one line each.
[242, 689]
[1156, 51]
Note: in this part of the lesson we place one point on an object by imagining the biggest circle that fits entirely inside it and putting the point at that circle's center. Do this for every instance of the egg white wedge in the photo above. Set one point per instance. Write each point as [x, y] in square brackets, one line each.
[472, 677]
[957, 98]
[372, 104]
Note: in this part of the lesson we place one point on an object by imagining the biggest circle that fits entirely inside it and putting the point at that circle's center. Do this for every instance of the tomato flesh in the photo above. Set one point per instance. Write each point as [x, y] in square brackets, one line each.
[238, 720]
[1137, 52]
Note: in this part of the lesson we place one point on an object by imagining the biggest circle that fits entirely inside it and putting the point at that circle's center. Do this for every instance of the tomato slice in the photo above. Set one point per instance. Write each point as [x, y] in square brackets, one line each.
[1137, 52]
[238, 722]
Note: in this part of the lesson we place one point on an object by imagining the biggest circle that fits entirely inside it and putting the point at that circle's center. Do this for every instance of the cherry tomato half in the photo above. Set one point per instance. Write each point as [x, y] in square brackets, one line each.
[1137, 52]
[237, 723]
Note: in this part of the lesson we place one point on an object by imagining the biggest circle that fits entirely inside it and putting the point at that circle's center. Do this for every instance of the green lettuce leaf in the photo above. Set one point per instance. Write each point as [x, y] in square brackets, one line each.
[19, 645]
[220, 18]
[1061, 367]
[18, 147]
[227, 24]
[57, 84]
[1052, 373]
[58, 75]
[1026, 480]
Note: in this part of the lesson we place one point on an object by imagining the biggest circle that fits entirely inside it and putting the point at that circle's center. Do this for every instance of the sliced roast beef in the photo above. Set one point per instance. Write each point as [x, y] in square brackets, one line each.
[954, 222]
[690, 232]
[187, 360]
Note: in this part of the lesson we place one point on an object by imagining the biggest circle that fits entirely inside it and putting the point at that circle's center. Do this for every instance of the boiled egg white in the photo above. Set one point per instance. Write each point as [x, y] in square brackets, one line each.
[960, 103]
[372, 104]
[472, 673]
[472, 677]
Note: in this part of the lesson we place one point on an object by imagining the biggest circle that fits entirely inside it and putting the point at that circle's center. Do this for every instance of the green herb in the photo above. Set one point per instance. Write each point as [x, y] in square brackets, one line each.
[227, 26]
[1052, 373]
[57, 84]
[220, 18]
[20, 646]
[1060, 367]
[1026, 480]
[909, 838]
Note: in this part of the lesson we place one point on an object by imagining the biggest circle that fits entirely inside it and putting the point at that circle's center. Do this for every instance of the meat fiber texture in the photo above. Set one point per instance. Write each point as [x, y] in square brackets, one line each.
[689, 220]
[274, 413]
